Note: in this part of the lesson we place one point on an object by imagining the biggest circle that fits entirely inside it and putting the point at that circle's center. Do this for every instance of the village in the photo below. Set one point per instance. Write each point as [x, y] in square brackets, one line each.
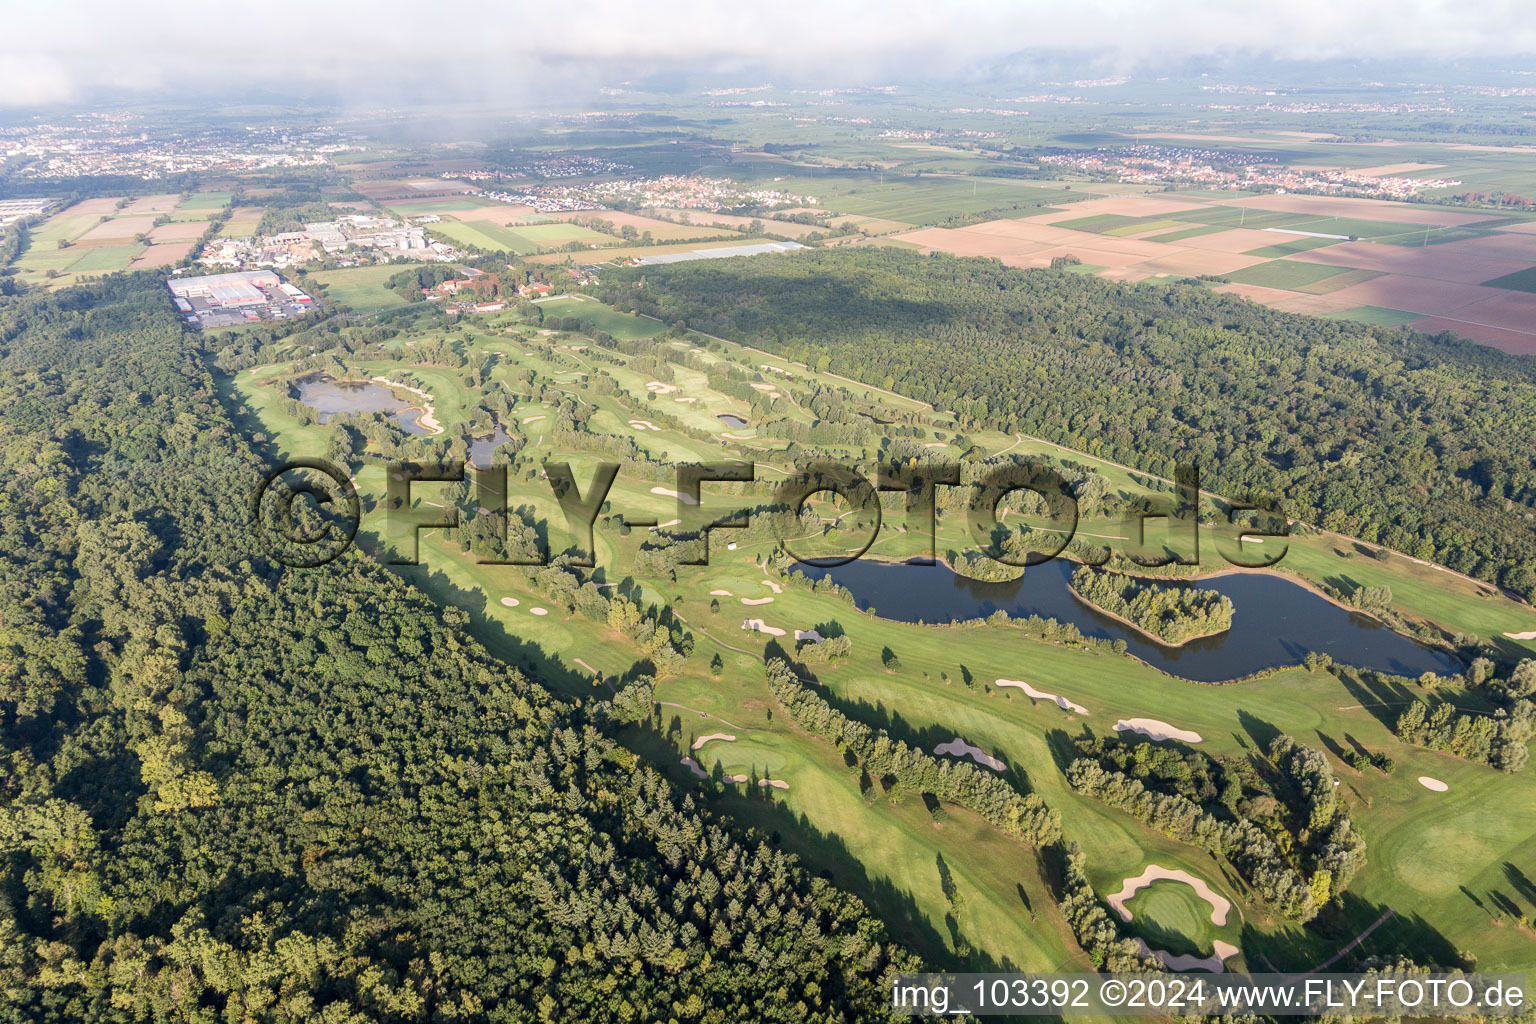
[344, 239]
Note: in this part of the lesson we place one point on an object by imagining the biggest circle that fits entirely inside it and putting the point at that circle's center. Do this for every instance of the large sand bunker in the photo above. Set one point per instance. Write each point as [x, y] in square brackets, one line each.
[759, 626]
[1434, 784]
[719, 593]
[809, 634]
[713, 736]
[757, 600]
[660, 388]
[510, 602]
[1220, 906]
[1529, 634]
[957, 747]
[1157, 730]
[1061, 702]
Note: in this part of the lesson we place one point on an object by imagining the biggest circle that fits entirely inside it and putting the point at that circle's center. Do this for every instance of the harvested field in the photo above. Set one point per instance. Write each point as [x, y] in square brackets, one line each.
[1358, 209]
[151, 204]
[1124, 206]
[702, 219]
[965, 242]
[1432, 298]
[163, 254]
[1438, 263]
[1234, 240]
[120, 227]
[1515, 311]
[501, 213]
[1519, 342]
[1193, 262]
[661, 230]
[1387, 170]
[186, 231]
[95, 207]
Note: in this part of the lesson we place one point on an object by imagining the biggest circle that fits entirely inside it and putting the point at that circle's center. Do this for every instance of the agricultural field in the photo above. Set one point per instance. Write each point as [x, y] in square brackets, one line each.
[101, 235]
[917, 865]
[1470, 273]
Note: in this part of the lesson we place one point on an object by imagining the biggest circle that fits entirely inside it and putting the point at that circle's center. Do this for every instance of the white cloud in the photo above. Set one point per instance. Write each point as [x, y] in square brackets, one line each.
[70, 48]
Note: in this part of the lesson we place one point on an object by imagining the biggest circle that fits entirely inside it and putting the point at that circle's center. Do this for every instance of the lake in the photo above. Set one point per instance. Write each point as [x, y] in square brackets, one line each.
[730, 420]
[331, 397]
[1274, 624]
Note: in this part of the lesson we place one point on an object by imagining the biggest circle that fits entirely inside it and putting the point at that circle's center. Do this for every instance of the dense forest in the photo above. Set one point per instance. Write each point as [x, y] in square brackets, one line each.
[1417, 443]
[230, 791]
[1171, 614]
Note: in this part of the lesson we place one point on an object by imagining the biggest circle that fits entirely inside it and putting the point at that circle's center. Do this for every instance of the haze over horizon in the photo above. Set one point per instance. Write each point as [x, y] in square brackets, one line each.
[79, 50]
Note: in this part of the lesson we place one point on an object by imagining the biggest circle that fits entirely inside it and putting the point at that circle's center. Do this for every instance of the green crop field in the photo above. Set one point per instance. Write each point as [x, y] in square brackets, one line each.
[105, 258]
[484, 235]
[1379, 316]
[1285, 274]
[1295, 245]
[1519, 281]
[1183, 233]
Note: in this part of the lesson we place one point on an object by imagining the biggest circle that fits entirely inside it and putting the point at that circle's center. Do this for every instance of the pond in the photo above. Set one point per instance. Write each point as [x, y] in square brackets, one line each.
[481, 448]
[331, 397]
[730, 420]
[1274, 624]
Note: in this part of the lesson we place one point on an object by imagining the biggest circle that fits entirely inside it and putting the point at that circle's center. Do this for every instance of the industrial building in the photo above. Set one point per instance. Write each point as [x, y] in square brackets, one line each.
[225, 300]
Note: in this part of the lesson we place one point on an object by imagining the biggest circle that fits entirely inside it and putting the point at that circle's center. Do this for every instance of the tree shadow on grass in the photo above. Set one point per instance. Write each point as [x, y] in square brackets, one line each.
[1300, 948]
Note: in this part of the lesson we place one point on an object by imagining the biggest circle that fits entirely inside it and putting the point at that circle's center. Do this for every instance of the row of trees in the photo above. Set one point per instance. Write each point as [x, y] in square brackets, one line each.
[1294, 845]
[960, 782]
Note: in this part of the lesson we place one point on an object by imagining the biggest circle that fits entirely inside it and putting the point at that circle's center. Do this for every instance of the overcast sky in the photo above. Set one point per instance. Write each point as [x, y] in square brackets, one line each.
[68, 50]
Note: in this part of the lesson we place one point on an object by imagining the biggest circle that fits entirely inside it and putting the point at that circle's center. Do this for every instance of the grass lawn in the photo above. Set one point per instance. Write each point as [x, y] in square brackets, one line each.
[603, 317]
[361, 289]
[1169, 915]
[105, 258]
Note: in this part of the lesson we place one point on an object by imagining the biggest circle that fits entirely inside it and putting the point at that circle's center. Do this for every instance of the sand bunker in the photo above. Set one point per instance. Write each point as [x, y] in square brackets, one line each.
[1061, 702]
[426, 419]
[686, 401]
[936, 444]
[773, 586]
[1157, 730]
[510, 602]
[538, 611]
[693, 766]
[763, 387]
[719, 593]
[1529, 634]
[957, 747]
[775, 783]
[713, 736]
[660, 388]
[1434, 784]
[757, 600]
[809, 634]
[1190, 962]
[739, 437]
[663, 526]
[759, 626]
[1220, 906]
[643, 425]
[686, 499]
[532, 419]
